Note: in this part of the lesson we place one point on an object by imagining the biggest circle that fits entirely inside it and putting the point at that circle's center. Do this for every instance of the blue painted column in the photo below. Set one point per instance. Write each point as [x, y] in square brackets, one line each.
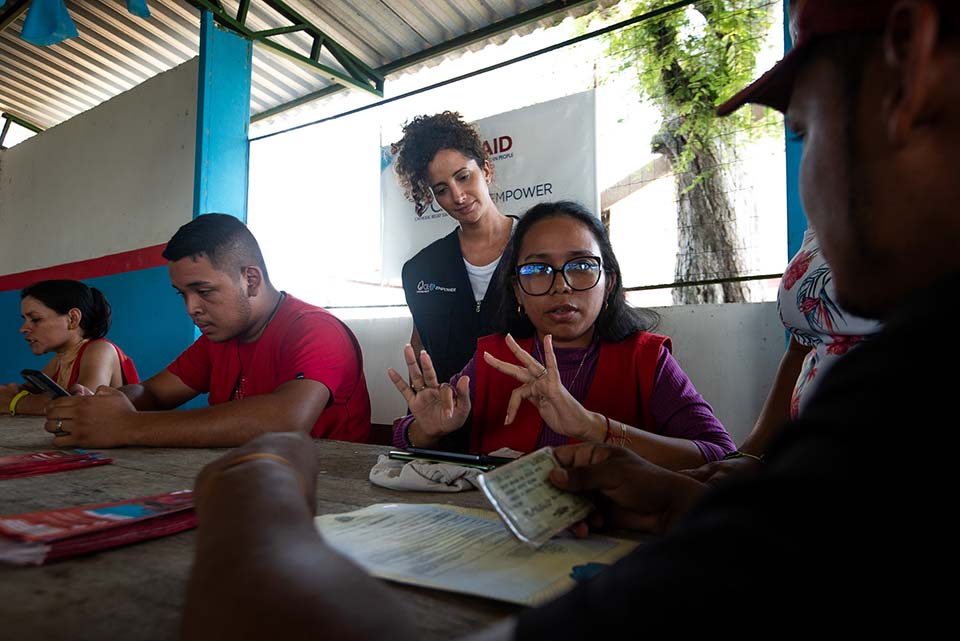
[796, 218]
[222, 166]
[223, 122]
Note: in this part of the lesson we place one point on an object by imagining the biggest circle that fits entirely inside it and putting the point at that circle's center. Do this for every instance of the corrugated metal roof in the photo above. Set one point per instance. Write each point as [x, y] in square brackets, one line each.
[117, 50]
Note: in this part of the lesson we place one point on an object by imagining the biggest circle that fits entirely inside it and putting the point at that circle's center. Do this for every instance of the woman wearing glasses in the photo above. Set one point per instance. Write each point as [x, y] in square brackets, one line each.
[578, 364]
[449, 285]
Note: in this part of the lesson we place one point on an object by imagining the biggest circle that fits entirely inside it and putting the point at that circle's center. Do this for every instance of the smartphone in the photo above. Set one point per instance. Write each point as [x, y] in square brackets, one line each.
[42, 382]
[472, 460]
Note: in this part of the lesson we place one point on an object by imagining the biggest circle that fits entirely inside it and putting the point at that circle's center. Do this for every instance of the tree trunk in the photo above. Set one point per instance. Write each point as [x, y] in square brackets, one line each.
[706, 223]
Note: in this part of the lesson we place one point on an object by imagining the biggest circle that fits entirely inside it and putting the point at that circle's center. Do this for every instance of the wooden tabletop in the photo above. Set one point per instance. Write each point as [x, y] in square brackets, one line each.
[136, 592]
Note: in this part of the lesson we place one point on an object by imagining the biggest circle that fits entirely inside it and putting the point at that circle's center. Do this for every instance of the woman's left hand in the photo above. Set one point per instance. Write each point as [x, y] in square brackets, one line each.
[542, 387]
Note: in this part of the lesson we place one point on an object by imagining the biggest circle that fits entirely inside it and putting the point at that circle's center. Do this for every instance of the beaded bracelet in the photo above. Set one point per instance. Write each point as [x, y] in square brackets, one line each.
[620, 440]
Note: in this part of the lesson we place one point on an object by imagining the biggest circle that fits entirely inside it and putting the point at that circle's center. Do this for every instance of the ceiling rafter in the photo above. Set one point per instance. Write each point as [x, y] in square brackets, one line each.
[11, 11]
[355, 73]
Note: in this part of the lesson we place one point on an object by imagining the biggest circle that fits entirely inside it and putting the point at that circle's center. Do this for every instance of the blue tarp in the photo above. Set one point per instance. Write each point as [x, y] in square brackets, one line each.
[138, 8]
[47, 23]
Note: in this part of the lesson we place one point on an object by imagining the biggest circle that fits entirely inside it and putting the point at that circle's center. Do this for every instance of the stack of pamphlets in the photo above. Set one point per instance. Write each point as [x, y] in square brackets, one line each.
[15, 466]
[39, 537]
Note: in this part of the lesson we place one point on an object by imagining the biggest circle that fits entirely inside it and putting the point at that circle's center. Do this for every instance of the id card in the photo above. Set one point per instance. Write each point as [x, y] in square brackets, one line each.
[532, 507]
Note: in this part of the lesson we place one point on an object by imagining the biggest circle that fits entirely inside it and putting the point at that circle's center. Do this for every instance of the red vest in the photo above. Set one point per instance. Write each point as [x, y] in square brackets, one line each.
[128, 372]
[620, 390]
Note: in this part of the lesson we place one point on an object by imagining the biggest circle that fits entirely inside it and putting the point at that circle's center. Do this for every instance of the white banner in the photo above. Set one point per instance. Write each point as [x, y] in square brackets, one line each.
[539, 153]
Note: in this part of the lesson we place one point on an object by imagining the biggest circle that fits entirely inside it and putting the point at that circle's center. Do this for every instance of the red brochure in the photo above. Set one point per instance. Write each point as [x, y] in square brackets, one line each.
[16, 466]
[35, 538]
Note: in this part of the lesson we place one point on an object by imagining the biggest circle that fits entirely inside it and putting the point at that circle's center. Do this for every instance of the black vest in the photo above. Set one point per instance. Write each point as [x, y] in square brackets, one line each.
[444, 310]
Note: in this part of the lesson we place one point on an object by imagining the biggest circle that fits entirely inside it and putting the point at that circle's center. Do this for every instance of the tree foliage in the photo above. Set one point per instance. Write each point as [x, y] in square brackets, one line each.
[687, 61]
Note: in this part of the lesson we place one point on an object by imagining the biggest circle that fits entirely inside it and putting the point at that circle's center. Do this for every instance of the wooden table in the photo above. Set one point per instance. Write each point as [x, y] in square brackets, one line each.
[136, 592]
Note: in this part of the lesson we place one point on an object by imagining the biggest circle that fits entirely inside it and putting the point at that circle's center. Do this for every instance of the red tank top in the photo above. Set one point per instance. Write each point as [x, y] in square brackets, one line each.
[128, 370]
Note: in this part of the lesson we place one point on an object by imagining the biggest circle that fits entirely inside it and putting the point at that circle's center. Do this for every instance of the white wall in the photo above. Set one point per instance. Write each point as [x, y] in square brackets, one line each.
[382, 340]
[117, 178]
[112, 179]
[729, 351]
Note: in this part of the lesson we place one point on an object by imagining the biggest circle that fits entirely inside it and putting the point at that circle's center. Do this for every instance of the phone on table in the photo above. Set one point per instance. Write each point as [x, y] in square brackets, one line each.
[478, 461]
[42, 382]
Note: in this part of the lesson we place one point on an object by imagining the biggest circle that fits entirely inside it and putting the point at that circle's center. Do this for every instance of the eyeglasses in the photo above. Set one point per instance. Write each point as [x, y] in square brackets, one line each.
[581, 273]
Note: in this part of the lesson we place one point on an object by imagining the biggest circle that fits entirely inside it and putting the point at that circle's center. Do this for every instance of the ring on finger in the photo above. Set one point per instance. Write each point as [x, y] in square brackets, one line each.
[541, 374]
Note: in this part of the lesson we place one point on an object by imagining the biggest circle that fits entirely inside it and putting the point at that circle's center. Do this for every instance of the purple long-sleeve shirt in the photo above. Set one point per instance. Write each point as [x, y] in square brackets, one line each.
[677, 408]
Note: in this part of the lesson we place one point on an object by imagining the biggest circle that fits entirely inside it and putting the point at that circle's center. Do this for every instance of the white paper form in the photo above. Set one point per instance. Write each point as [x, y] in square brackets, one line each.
[461, 550]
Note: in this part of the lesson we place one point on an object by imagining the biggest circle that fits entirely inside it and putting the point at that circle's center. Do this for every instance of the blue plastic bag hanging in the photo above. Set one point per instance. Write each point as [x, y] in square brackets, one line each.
[47, 23]
[138, 8]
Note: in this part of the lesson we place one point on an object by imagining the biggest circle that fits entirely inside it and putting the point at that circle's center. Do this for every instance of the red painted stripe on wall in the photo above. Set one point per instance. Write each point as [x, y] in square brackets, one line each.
[94, 268]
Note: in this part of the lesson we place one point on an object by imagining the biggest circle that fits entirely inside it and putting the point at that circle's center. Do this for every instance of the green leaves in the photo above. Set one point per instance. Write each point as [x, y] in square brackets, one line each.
[689, 60]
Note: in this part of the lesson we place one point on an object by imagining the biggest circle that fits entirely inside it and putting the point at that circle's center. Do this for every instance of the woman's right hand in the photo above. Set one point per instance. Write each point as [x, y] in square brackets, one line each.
[437, 408]
[636, 494]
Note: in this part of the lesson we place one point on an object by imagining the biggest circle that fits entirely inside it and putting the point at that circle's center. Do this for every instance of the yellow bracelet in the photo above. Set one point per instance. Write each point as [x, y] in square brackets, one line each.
[276, 458]
[15, 400]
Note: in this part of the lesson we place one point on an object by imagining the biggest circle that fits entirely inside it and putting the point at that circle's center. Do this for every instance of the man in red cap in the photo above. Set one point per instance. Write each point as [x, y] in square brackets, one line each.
[845, 528]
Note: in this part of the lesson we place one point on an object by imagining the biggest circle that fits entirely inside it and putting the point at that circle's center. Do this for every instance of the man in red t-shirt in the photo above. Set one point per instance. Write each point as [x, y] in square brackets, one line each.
[270, 362]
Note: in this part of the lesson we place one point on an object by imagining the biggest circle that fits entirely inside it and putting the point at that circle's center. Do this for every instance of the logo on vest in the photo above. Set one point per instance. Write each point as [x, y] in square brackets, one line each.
[426, 288]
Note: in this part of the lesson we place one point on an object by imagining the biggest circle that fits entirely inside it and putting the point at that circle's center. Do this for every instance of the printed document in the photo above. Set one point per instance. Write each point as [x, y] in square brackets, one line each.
[463, 550]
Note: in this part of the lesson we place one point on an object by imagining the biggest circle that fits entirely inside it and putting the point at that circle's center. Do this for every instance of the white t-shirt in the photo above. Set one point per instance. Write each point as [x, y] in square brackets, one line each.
[480, 275]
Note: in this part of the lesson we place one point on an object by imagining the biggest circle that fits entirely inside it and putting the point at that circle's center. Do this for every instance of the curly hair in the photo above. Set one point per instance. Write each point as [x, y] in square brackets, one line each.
[422, 138]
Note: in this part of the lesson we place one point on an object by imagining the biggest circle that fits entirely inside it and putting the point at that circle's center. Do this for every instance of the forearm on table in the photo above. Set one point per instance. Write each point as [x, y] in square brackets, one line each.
[669, 452]
[225, 425]
[142, 398]
[666, 451]
[31, 405]
[262, 571]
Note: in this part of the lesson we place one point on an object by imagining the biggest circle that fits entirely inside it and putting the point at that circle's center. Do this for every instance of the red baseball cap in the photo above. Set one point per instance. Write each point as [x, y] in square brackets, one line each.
[810, 19]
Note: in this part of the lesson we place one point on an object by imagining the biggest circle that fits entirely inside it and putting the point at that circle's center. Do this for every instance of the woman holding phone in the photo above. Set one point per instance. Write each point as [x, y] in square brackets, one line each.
[575, 363]
[69, 319]
[449, 285]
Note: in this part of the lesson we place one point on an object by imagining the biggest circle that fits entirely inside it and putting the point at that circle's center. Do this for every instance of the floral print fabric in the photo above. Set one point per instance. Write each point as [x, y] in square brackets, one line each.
[809, 311]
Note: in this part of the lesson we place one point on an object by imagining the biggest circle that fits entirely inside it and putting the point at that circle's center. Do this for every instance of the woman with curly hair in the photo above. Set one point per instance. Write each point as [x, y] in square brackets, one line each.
[449, 284]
